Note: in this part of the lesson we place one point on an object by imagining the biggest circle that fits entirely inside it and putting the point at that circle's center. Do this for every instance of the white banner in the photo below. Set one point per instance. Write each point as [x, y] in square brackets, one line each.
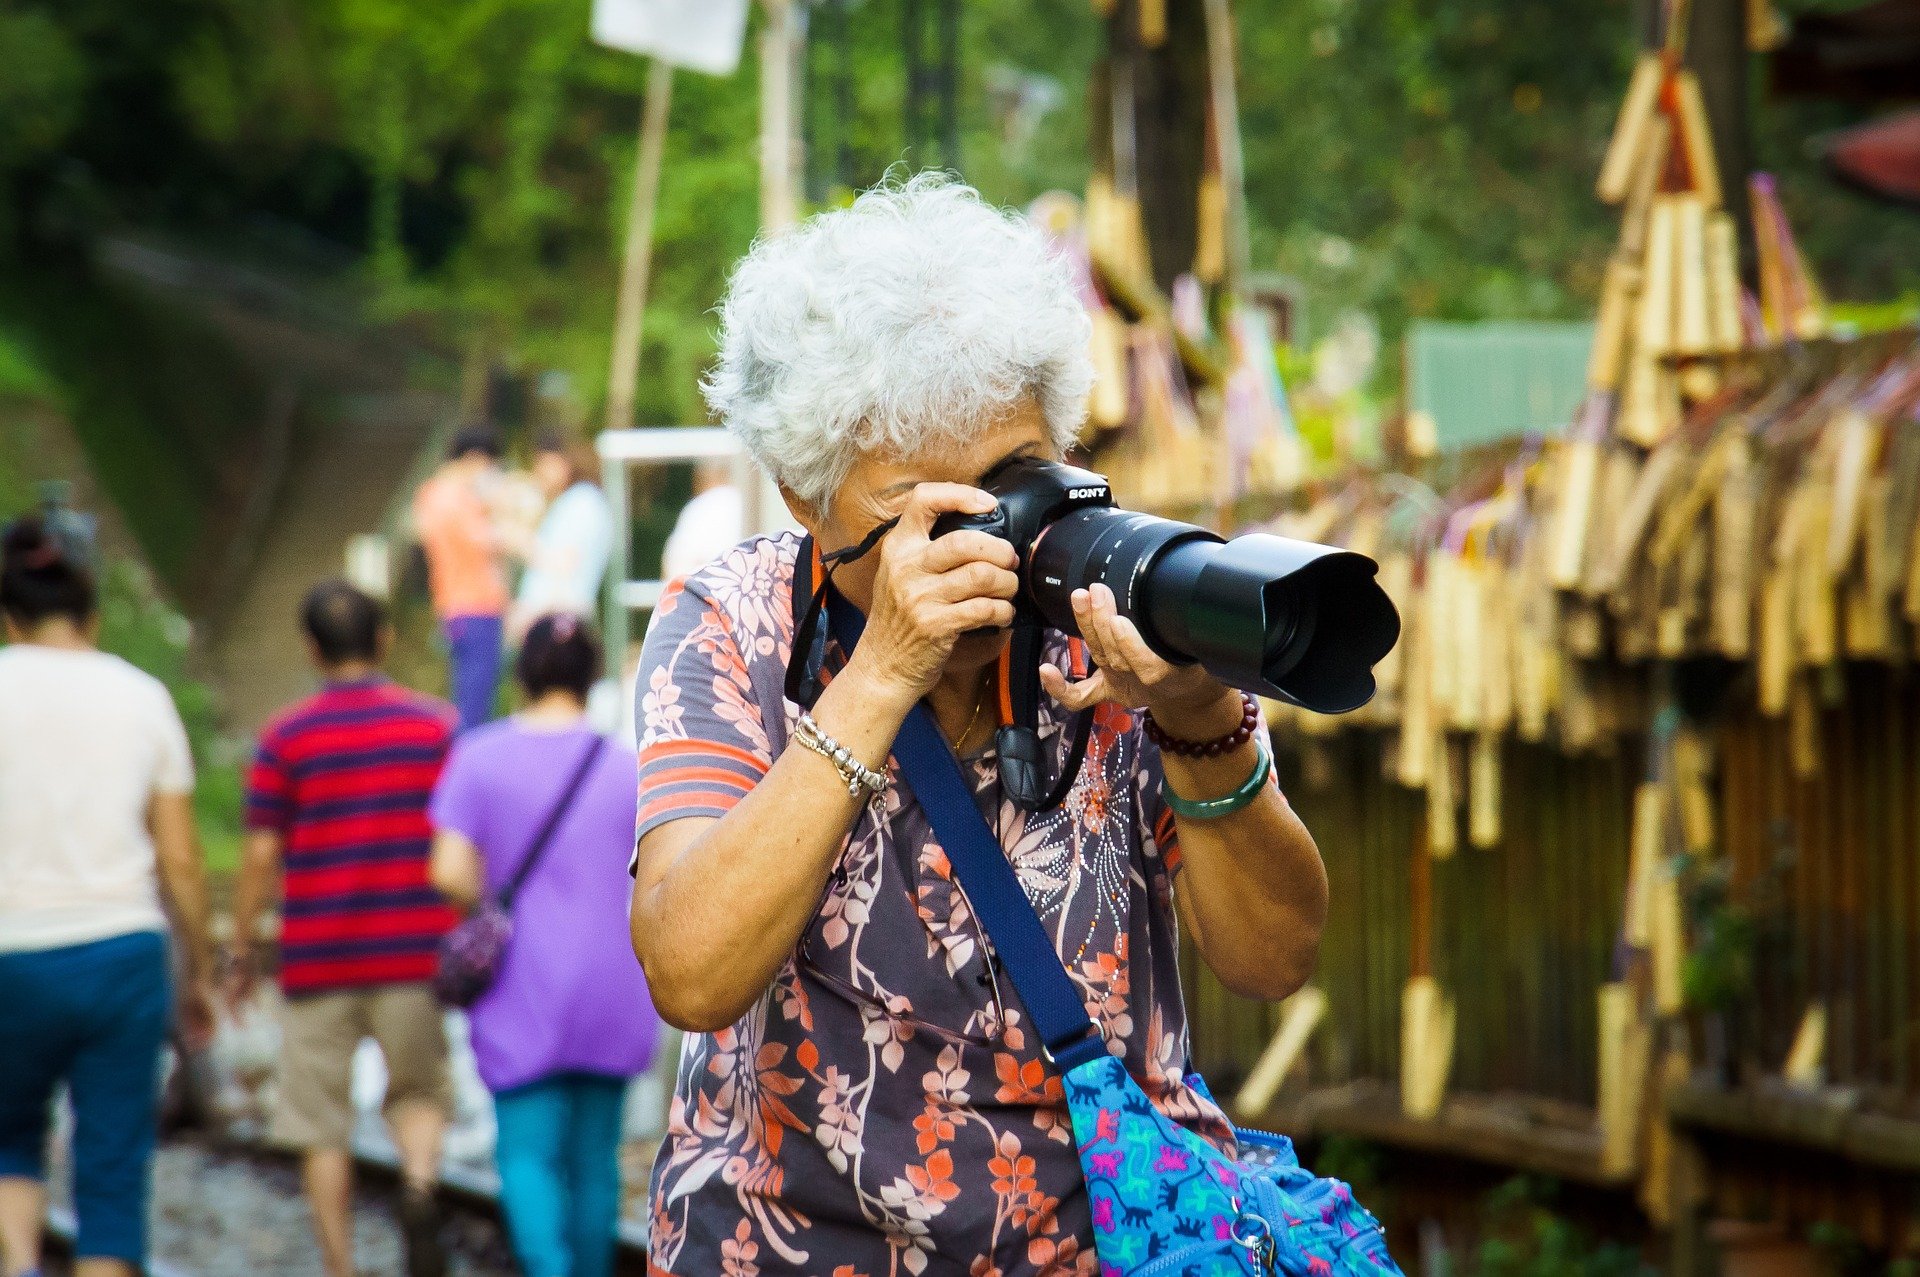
[702, 35]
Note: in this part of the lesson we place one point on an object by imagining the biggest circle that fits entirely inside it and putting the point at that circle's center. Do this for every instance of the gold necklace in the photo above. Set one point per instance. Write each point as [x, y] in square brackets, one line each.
[959, 742]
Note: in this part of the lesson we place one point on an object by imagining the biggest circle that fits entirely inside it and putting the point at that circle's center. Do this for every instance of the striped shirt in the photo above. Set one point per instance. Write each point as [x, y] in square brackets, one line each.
[344, 777]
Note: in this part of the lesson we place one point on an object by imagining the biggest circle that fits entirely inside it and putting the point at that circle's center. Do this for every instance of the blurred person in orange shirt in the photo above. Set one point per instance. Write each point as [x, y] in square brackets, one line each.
[466, 569]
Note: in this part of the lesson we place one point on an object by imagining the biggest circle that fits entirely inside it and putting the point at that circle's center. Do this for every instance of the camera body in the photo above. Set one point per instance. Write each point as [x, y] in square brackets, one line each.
[1290, 619]
[1029, 496]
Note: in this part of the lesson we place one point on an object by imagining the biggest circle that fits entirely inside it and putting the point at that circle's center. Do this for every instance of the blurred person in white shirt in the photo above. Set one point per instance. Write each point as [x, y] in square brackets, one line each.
[96, 829]
[567, 560]
[712, 523]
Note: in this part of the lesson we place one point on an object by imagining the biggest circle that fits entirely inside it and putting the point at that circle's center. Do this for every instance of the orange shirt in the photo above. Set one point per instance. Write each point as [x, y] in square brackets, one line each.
[463, 557]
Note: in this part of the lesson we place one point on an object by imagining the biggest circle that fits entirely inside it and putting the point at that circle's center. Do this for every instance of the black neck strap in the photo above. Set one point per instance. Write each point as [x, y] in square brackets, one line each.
[812, 581]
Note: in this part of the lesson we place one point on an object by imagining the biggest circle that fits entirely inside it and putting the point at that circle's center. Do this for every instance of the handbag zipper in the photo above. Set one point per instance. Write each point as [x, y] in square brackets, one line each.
[1179, 1259]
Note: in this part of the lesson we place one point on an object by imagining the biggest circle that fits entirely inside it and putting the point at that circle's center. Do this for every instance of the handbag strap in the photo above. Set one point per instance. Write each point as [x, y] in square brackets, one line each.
[1068, 1036]
[552, 823]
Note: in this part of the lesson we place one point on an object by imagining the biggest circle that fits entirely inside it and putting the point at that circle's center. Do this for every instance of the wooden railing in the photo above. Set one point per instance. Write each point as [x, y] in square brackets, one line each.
[1814, 874]
[1825, 860]
[1522, 934]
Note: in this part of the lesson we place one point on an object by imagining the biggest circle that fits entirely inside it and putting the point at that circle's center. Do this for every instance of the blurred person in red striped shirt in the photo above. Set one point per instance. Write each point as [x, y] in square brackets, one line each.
[337, 816]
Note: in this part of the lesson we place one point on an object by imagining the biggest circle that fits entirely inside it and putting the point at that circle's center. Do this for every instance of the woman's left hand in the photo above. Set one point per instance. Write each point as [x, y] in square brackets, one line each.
[1186, 701]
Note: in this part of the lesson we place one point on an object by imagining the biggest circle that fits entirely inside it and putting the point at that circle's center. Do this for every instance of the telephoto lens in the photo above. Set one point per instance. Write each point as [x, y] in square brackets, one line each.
[1301, 622]
[1290, 619]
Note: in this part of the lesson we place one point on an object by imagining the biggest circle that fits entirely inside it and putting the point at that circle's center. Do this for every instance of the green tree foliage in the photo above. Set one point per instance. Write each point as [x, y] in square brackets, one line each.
[1523, 1235]
[42, 85]
[1419, 160]
[1405, 159]
[1432, 160]
[42, 81]
[495, 143]
[488, 145]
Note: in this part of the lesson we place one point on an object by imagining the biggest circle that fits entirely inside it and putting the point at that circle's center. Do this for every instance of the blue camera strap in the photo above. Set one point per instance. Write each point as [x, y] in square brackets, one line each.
[1067, 1034]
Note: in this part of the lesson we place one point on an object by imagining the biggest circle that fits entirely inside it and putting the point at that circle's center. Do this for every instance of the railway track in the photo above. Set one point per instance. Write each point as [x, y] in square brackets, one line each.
[225, 1209]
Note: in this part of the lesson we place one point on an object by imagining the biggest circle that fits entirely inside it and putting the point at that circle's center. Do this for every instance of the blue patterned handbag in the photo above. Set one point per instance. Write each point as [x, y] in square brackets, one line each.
[1165, 1201]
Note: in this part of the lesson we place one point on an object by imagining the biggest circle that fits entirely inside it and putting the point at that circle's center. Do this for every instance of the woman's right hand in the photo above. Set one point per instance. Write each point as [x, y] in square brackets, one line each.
[927, 593]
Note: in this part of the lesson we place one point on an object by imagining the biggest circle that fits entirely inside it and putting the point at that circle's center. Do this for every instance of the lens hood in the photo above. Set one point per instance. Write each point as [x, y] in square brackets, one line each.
[1290, 619]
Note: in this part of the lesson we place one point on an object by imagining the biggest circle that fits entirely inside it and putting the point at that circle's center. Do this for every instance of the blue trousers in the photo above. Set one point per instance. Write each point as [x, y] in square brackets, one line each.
[476, 646]
[559, 1156]
[94, 1016]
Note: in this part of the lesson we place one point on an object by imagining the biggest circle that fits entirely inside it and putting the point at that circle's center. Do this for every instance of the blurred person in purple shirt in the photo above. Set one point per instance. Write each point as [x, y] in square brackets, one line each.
[567, 1022]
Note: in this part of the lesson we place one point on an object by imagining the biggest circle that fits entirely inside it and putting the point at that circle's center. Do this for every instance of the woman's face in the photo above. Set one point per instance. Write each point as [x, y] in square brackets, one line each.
[876, 489]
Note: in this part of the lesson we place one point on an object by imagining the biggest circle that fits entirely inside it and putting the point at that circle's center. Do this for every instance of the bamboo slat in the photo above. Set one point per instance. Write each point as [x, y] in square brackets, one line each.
[1630, 132]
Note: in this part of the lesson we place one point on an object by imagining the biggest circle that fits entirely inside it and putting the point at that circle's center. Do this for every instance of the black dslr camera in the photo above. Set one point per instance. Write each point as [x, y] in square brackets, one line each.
[1283, 618]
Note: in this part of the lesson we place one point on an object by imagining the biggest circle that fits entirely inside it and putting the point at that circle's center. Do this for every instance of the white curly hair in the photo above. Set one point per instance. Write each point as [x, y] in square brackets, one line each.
[904, 324]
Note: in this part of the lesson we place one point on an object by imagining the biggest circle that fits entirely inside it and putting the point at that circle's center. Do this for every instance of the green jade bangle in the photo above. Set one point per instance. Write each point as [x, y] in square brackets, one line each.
[1215, 808]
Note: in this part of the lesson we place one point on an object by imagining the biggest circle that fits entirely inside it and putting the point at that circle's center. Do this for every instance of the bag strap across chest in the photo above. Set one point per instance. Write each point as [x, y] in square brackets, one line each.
[1067, 1035]
[551, 824]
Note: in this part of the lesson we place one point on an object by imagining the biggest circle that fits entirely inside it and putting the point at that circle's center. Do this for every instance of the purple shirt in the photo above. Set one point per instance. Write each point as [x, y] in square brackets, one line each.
[570, 997]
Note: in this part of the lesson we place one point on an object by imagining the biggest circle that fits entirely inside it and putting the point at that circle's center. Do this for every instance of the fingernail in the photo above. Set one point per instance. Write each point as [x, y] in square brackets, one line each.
[1080, 598]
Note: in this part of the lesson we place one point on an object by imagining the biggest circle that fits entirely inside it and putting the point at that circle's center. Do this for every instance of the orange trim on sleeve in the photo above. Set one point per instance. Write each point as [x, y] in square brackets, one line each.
[710, 749]
[701, 803]
[687, 774]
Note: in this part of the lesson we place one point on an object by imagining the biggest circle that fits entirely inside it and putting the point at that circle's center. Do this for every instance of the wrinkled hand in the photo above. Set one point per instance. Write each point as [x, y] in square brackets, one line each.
[1185, 699]
[927, 593]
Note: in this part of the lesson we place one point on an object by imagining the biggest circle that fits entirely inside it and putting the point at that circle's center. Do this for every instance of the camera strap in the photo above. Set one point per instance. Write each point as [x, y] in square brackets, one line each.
[812, 580]
[1022, 754]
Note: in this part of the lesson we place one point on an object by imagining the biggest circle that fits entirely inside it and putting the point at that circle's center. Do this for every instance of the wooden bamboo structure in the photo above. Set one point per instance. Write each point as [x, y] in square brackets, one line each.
[1665, 650]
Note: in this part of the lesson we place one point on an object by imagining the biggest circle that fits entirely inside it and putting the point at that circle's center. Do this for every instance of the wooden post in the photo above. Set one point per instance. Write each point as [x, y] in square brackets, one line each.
[1222, 76]
[779, 144]
[1718, 53]
[1154, 145]
[623, 373]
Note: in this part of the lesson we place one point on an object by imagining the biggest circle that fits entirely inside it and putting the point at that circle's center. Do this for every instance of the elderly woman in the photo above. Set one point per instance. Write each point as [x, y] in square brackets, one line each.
[862, 1092]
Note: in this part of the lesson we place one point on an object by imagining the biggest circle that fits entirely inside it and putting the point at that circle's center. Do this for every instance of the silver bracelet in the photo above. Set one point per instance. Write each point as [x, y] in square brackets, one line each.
[857, 774]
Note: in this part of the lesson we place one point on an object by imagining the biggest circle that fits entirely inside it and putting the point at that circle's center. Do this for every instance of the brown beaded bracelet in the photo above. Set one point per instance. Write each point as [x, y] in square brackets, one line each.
[1249, 723]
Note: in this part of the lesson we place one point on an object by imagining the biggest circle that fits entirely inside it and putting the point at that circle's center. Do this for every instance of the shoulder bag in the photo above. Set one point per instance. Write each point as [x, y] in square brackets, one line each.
[1164, 1200]
[471, 954]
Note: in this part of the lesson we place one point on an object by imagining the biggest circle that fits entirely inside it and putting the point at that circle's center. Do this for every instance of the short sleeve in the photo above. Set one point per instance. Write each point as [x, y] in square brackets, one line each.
[269, 789]
[173, 773]
[702, 737]
[456, 802]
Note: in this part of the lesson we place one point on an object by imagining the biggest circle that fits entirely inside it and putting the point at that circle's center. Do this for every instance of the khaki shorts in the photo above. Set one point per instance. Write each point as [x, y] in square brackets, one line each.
[319, 1034]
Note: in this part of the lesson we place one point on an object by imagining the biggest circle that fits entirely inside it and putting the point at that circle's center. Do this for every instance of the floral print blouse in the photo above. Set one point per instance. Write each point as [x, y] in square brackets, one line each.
[884, 1108]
